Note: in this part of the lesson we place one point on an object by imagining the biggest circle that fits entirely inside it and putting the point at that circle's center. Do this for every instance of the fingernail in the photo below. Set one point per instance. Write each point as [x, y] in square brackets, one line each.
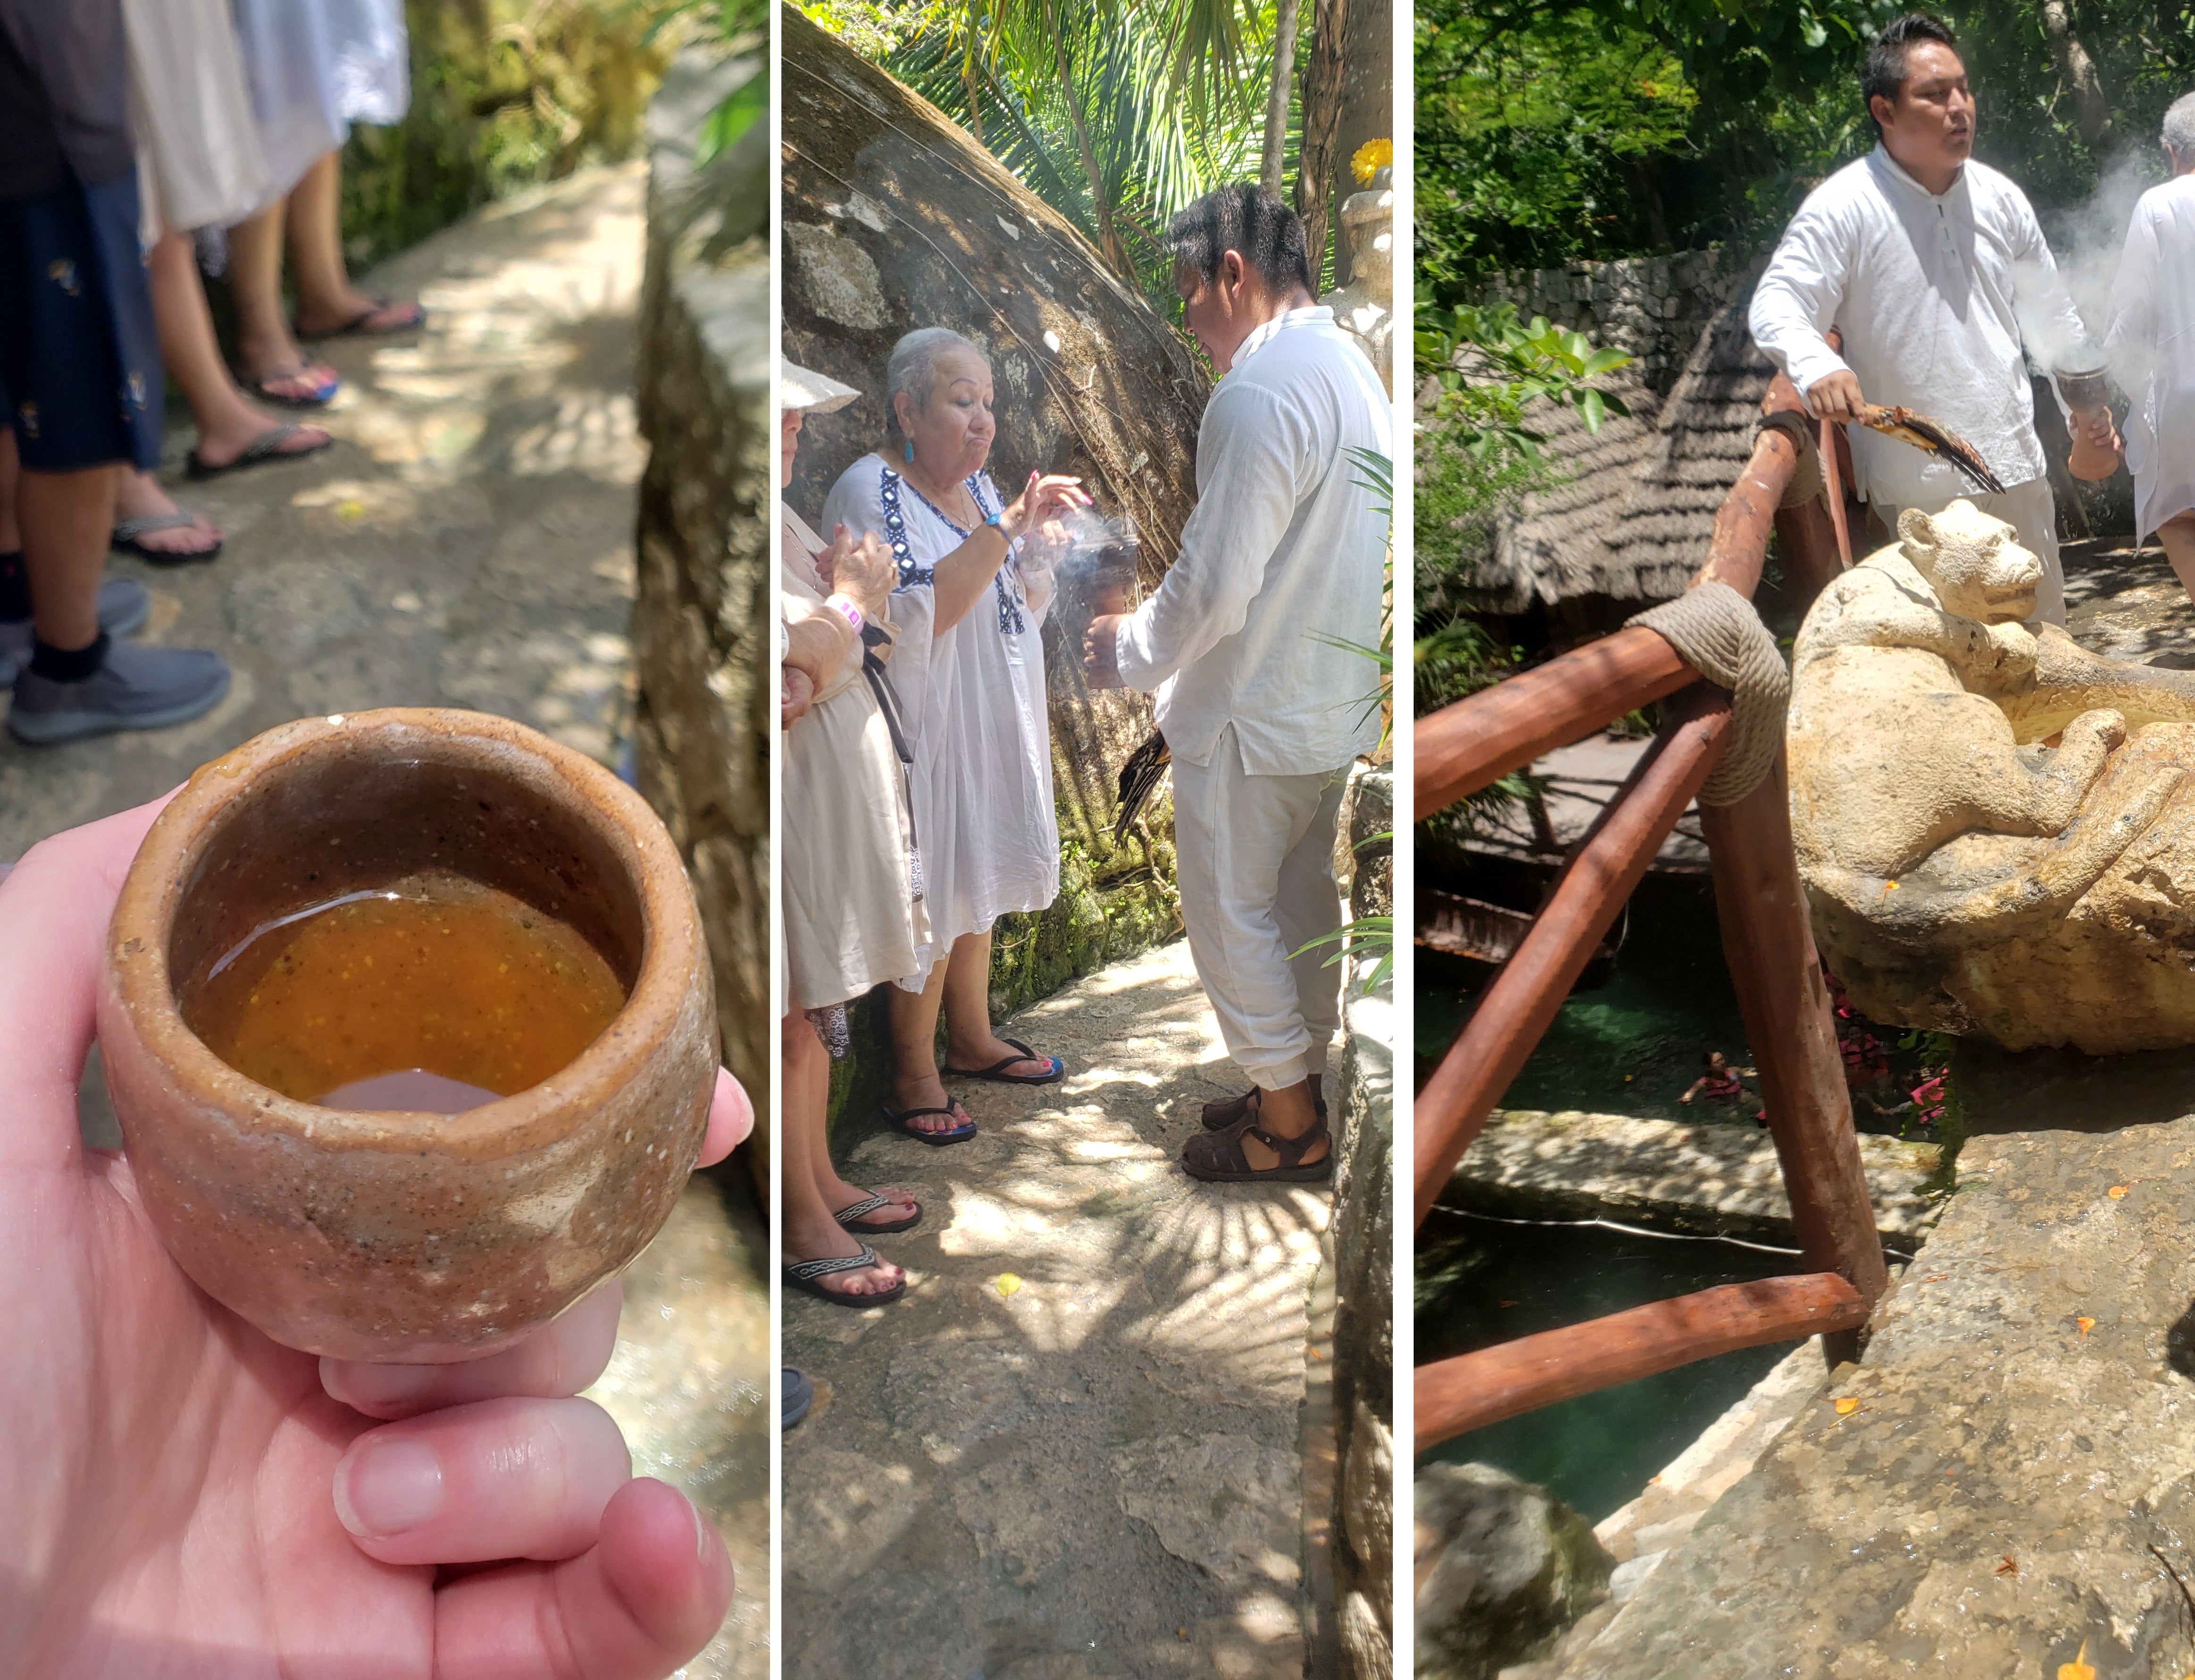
[703, 1534]
[390, 1486]
[381, 1385]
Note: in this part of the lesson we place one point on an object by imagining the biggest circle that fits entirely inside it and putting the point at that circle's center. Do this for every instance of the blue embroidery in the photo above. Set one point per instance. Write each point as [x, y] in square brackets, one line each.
[1011, 622]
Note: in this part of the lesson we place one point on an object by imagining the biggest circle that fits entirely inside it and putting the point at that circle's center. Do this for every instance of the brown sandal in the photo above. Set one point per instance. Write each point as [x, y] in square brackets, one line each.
[1217, 1157]
[1224, 1113]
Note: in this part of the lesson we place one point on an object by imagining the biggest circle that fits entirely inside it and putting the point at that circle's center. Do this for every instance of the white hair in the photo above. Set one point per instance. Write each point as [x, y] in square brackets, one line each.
[2179, 128]
[912, 368]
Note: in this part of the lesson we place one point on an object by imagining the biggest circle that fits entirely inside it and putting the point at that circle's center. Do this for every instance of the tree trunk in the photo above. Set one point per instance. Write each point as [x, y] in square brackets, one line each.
[968, 90]
[1276, 100]
[1367, 102]
[2079, 71]
[1321, 123]
[1109, 243]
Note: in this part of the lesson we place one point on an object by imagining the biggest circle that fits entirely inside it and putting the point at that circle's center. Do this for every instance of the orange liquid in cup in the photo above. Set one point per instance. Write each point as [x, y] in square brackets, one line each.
[434, 994]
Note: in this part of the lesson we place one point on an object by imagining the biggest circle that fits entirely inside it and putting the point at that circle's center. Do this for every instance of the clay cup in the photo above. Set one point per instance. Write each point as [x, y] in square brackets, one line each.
[391, 1236]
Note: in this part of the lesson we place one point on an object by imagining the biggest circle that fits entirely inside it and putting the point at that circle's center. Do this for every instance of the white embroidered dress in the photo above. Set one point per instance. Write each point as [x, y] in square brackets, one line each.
[974, 701]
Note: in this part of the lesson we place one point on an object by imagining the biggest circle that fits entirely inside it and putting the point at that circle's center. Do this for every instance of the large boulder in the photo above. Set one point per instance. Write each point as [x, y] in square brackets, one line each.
[1503, 1566]
[894, 219]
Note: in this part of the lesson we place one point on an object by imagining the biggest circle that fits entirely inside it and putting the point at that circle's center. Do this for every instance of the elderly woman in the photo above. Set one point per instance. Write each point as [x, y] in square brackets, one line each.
[971, 677]
[851, 901]
[2151, 344]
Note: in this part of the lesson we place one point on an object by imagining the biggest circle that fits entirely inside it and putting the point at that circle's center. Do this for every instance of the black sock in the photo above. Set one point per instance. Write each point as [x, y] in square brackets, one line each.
[14, 589]
[60, 665]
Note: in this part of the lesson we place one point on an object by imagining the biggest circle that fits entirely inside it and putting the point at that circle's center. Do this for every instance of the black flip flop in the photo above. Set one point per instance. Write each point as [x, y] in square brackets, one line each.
[802, 1274]
[356, 326]
[1058, 1068]
[263, 449]
[850, 1215]
[896, 1119]
[127, 533]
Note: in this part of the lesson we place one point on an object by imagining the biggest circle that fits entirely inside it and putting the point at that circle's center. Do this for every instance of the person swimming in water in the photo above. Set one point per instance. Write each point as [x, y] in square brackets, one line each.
[1721, 1082]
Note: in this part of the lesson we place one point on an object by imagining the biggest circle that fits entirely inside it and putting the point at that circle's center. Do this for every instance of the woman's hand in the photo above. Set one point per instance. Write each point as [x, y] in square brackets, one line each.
[1101, 650]
[1044, 496]
[187, 1498]
[860, 568]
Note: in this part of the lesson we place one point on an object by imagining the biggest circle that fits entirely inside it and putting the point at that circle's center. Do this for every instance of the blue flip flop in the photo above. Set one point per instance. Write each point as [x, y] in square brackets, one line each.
[897, 1119]
[1058, 1067]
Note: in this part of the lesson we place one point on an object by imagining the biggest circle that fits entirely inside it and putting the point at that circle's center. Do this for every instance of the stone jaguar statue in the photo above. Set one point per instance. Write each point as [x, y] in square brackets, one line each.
[1995, 828]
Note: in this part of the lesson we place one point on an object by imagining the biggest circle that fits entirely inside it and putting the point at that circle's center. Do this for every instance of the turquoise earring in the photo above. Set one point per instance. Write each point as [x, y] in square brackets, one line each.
[910, 452]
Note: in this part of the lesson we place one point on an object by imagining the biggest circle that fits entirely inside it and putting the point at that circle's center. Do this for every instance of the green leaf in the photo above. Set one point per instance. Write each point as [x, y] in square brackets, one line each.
[732, 118]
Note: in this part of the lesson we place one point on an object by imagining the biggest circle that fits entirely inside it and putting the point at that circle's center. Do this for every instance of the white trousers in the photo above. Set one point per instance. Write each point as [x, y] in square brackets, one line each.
[2030, 510]
[1255, 856]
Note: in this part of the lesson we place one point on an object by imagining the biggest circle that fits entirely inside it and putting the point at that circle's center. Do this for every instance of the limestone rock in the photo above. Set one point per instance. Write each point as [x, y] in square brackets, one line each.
[701, 636]
[1503, 1567]
[1247, 1531]
[841, 1513]
[1367, 1494]
[1996, 828]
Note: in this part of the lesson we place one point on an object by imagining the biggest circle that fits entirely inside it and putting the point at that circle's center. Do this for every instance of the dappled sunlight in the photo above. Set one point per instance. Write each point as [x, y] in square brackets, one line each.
[594, 433]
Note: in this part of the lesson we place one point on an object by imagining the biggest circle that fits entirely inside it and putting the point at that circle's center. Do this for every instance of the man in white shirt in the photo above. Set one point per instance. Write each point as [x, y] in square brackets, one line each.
[1925, 261]
[1262, 704]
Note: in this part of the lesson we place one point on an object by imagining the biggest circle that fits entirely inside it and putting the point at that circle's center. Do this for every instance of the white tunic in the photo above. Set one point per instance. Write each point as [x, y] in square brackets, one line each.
[316, 67]
[1925, 288]
[2151, 344]
[1282, 561]
[974, 700]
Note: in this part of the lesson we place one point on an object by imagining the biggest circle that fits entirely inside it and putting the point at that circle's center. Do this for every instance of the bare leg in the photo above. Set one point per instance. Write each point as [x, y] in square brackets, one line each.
[326, 300]
[970, 1042]
[915, 1080]
[11, 540]
[65, 518]
[269, 355]
[2178, 537]
[227, 419]
[811, 1230]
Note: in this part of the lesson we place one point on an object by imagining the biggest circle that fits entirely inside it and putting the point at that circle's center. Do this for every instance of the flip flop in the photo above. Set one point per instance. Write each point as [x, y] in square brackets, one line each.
[263, 448]
[127, 532]
[1221, 1115]
[356, 326]
[796, 1394]
[1217, 1157]
[1058, 1068]
[323, 393]
[850, 1215]
[897, 1119]
[802, 1274]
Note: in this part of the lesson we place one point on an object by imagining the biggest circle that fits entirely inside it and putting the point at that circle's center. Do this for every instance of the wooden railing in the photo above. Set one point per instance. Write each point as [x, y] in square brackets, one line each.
[1766, 941]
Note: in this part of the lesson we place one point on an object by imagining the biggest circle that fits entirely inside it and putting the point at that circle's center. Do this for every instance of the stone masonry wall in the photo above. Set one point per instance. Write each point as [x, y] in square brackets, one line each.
[701, 623]
[1653, 307]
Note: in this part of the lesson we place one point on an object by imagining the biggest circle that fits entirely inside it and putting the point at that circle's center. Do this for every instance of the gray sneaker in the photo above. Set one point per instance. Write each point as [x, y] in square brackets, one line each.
[124, 604]
[139, 687]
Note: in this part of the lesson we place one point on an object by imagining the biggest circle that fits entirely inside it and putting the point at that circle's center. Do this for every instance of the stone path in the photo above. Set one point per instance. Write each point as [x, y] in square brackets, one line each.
[469, 542]
[1074, 1447]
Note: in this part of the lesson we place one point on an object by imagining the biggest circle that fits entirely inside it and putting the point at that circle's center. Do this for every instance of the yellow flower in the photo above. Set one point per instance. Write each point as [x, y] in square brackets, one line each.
[1373, 155]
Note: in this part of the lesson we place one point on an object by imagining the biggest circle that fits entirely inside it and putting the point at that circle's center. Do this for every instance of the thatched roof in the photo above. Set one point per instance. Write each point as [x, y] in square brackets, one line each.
[1635, 503]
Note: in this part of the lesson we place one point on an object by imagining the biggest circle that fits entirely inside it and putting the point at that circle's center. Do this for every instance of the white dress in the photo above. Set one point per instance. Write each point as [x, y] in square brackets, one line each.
[199, 165]
[316, 67]
[974, 701]
[2151, 350]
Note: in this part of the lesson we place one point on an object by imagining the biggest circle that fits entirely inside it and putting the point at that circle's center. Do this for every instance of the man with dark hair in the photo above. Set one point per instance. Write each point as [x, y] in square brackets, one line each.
[1924, 261]
[1253, 645]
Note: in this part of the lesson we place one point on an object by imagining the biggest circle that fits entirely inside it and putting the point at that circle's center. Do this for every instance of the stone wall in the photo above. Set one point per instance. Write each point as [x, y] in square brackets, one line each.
[1653, 307]
[1363, 1274]
[701, 636]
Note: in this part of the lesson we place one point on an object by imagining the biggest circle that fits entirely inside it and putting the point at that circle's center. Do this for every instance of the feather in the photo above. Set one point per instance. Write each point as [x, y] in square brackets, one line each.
[1140, 779]
[1932, 438]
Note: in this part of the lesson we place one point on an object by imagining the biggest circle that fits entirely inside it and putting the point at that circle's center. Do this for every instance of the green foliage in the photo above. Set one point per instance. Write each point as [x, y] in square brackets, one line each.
[506, 93]
[1169, 93]
[1513, 364]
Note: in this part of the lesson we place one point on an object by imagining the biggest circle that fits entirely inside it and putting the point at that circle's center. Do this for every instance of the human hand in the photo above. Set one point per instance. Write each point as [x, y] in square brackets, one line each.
[861, 568]
[184, 1495]
[1101, 650]
[1043, 497]
[2095, 426]
[799, 693]
[1835, 397]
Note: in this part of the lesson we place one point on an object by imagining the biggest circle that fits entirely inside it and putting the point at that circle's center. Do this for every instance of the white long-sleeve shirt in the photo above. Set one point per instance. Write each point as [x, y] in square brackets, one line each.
[1924, 287]
[2151, 348]
[1282, 558]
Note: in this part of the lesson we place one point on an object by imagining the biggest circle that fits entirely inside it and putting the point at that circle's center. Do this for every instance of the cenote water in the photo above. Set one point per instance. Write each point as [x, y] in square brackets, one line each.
[1480, 1282]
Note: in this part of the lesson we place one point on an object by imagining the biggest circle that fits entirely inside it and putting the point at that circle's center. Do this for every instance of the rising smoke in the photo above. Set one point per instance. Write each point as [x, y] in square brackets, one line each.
[2087, 241]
